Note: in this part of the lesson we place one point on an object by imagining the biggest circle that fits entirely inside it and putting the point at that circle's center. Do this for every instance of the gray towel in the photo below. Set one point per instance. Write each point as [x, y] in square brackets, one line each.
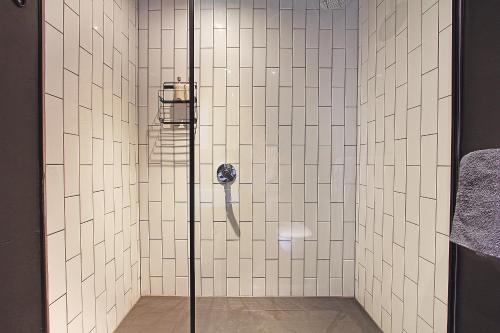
[476, 224]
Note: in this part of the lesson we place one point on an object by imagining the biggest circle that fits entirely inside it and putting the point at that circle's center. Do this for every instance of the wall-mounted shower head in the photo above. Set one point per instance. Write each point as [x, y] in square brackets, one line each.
[333, 4]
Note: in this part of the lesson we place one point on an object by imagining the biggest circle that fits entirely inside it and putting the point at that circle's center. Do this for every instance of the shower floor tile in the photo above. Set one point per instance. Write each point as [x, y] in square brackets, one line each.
[249, 315]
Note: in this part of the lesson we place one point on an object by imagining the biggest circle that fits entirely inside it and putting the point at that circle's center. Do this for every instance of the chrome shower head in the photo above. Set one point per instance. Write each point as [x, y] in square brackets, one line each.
[333, 4]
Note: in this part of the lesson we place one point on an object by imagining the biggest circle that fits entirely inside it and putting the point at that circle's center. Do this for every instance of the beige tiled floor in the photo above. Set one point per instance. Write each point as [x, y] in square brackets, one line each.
[253, 314]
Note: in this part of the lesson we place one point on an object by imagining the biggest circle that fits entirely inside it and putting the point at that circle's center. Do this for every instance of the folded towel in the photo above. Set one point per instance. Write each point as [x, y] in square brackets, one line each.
[476, 224]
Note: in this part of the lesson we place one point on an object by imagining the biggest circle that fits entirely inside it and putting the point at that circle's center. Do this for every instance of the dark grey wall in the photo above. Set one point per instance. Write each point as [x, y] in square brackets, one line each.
[21, 281]
[477, 284]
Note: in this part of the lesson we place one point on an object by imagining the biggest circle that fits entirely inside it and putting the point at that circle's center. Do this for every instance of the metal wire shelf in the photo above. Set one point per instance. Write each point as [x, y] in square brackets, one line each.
[173, 104]
[168, 134]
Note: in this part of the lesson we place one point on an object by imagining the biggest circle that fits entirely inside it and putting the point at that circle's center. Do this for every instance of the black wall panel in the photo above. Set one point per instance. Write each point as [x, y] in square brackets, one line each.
[475, 290]
[22, 304]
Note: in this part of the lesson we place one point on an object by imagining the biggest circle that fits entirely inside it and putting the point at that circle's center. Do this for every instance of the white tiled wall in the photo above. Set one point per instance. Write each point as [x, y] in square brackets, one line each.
[404, 124]
[91, 163]
[277, 94]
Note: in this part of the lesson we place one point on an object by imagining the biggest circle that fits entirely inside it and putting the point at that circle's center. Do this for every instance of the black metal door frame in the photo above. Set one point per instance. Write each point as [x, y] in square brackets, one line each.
[192, 98]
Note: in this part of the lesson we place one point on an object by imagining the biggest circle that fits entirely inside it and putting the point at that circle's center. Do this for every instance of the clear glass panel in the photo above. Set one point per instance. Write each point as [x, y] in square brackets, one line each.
[276, 87]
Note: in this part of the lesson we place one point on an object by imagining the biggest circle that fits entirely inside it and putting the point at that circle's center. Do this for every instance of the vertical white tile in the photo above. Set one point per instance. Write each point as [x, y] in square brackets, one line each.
[56, 262]
[401, 58]
[54, 61]
[430, 102]
[441, 270]
[233, 30]
[410, 306]
[444, 131]
[297, 277]
[71, 40]
[272, 278]
[259, 66]
[57, 315]
[430, 39]
[415, 78]
[233, 255]
[220, 277]
[219, 47]
[414, 24]
[440, 316]
[443, 200]
[74, 287]
[88, 304]
[100, 272]
[397, 314]
[273, 45]
[347, 278]
[427, 229]
[429, 164]
[413, 141]
[411, 251]
[54, 130]
[445, 53]
[72, 220]
[310, 256]
[87, 233]
[426, 291]
[70, 102]
[286, 28]
[259, 24]
[54, 198]
[246, 44]
[85, 79]
[339, 34]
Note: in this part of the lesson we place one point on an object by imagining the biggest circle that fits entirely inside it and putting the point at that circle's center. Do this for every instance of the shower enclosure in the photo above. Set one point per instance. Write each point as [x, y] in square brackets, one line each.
[259, 164]
[276, 97]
